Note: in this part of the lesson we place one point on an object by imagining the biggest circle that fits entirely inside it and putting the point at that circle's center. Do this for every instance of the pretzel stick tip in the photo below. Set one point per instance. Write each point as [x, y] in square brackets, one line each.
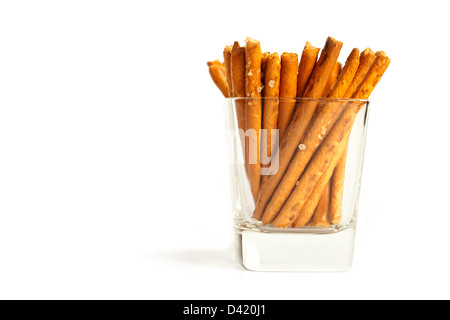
[367, 58]
[346, 76]
[217, 72]
[306, 67]
[328, 58]
[373, 77]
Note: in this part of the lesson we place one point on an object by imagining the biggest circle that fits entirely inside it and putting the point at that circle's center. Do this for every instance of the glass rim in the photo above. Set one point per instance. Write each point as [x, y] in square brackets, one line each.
[298, 99]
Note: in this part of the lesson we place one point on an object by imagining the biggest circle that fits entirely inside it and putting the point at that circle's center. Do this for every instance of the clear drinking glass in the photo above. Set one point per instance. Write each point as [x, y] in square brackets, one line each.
[292, 222]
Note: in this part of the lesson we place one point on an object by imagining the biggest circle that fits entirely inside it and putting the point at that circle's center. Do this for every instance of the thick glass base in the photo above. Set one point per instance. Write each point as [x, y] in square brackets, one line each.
[293, 251]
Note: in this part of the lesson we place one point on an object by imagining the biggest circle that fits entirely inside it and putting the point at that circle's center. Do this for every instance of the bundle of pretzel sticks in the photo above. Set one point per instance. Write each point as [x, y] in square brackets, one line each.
[307, 187]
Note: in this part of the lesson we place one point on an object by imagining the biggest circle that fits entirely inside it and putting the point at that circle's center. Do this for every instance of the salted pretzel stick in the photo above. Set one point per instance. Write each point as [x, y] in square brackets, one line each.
[217, 72]
[337, 182]
[238, 90]
[301, 118]
[337, 189]
[238, 81]
[270, 110]
[366, 60]
[338, 91]
[333, 77]
[308, 209]
[227, 65]
[253, 111]
[306, 67]
[321, 217]
[347, 75]
[329, 153]
[373, 76]
[288, 89]
[325, 118]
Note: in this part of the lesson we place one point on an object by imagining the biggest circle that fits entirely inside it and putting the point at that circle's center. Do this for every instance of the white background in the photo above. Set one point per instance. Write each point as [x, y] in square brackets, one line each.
[113, 171]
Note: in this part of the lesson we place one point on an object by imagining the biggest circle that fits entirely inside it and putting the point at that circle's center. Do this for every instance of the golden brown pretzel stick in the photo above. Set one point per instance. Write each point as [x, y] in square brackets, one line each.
[288, 89]
[270, 110]
[326, 156]
[316, 195]
[227, 65]
[238, 90]
[337, 182]
[307, 211]
[306, 67]
[328, 58]
[253, 111]
[333, 77]
[366, 60]
[217, 72]
[337, 189]
[321, 217]
[326, 116]
[238, 81]
[373, 76]
[294, 132]
[347, 75]
[325, 161]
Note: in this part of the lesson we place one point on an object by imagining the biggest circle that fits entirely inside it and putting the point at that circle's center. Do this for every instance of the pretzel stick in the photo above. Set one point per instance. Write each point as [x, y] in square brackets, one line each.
[341, 89]
[238, 88]
[327, 155]
[337, 189]
[366, 60]
[288, 89]
[347, 75]
[227, 65]
[372, 77]
[324, 202]
[302, 115]
[326, 116]
[321, 217]
[217, 72]
[270, 112]
[337, 182]
[333, 77]
[307, 212]
[253, 111]
[306, 67]
[330, 152]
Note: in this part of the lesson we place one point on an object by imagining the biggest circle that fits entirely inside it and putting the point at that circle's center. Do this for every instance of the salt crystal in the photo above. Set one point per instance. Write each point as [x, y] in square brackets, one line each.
[302, 147]
[271, 83]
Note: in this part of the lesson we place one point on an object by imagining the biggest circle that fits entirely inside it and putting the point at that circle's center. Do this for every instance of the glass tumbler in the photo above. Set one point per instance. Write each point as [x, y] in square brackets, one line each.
[295, 177]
